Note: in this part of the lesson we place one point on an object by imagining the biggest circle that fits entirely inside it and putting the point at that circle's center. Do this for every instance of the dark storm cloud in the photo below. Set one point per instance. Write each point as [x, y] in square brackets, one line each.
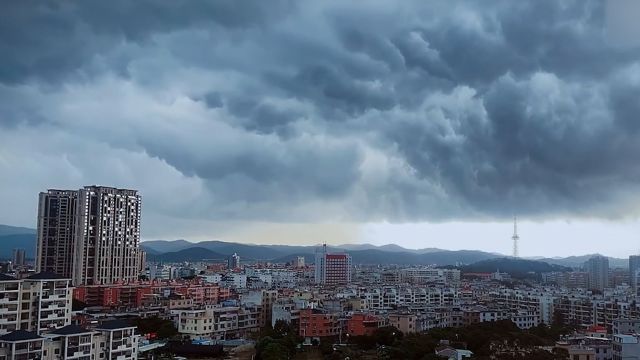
[49, 39]
[368, 111]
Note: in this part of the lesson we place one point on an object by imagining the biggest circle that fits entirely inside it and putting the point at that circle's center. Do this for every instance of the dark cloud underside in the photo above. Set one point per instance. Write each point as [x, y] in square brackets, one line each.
[314, 111]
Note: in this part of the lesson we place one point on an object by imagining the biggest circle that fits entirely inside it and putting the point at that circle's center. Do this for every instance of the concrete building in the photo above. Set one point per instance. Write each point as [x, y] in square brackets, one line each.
[217, 321]
[361, 324]
[19, 257]
[578, 351]
[39, 303]
[263, 300]
[315, 323]
[626, 347]
[21, 345]
[119, 339]
[285, 310]
[111, 340]
[598, 269]
[57, 221]
[236, 281]
[91, 235]
[404, 322]
[634, 268]
[332, 269]
[430, 275]
[626, 326]
[233, 262]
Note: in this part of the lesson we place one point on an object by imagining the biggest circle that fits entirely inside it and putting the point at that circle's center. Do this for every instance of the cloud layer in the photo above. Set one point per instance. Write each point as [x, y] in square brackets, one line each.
[321, 111]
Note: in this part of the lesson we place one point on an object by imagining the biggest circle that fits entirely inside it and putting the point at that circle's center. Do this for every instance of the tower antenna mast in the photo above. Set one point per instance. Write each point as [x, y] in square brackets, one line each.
[515, 237]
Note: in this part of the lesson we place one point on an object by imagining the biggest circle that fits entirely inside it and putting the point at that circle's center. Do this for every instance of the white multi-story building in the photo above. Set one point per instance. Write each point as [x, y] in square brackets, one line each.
[114, 340]
[120, 341]
[285, 310]
[39, 303]
[430, 275]
[212, 278]
[216, 321]
[626, 347]
[237, 281]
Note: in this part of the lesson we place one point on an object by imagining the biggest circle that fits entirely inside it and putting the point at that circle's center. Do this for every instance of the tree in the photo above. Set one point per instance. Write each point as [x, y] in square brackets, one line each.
[387, 335]
[164, 329]
[273, 351]
[281, 339]
[77, 305]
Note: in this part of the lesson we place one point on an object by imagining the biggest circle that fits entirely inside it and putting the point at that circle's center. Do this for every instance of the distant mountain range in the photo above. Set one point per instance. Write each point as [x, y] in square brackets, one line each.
[178, 250]
[578, 261]
[12, 237]
[15, 230]
[518, 268]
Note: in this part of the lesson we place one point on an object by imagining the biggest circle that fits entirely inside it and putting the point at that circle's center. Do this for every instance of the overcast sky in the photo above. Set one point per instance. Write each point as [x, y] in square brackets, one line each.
[421, 123]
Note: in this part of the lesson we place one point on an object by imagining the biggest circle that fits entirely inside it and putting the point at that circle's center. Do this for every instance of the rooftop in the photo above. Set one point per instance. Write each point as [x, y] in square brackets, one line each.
[70, 330]
[115, 324]
[20, 335]
[4, 277]
[46, 276]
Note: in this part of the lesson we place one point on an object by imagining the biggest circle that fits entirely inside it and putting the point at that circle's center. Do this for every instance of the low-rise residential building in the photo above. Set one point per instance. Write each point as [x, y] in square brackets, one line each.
[38, 303]
[112, 340]
[21, 344]
[217, 321]
[407, 323]
[360, 324]
[626, 347]
[316, 323]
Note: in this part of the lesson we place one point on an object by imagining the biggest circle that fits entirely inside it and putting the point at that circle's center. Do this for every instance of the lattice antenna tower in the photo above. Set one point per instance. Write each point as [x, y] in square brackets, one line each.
[515, 237]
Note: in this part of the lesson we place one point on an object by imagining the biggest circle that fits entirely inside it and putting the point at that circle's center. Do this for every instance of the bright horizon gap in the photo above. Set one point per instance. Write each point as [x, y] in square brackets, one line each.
[558, 238]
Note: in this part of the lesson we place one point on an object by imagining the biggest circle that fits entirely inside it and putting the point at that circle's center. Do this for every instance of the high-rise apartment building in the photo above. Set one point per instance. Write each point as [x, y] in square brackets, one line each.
[598, 269]
[233, 262]
[634, 268]
[91, 235]
[18, 257]
[332, 269]
[57, 218]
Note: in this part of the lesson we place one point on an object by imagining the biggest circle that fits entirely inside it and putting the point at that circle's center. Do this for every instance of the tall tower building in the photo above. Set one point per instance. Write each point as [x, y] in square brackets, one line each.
[233, 262]
[57, 218]
[18, 257]
[94, 238]
[332, 269]
[515, 237]
[598, 269]
[634, 268]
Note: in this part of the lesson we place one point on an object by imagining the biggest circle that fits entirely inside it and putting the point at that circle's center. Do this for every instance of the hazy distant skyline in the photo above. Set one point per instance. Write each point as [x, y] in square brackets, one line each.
[426, 124]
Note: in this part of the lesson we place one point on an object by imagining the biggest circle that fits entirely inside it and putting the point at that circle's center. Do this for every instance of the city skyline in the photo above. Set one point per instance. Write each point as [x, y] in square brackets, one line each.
[421, 124]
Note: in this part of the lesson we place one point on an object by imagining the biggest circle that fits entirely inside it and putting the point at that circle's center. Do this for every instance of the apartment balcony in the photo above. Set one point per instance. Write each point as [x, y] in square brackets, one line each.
[8, 300]
[124, 347]
[121, 345]
[53, 316]
[52, 297]
[54, 306]
[77, 354]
